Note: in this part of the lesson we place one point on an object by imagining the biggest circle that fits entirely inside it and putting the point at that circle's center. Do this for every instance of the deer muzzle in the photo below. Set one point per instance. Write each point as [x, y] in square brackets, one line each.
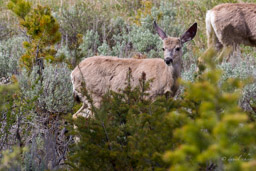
[168, 60]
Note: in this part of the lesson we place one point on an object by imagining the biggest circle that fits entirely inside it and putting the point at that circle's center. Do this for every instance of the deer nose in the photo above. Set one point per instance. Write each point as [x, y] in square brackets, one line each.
[168, 60]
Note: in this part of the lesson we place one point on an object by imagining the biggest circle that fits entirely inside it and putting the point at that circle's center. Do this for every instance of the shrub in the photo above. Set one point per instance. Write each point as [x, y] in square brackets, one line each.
[203, 129]
[8, 114]
[127, 131]
[63, 53]
[104, 49]
[215, 130]
[144, 41]
[90, 43]
[11, 159]
[244, 70]
[10, 52]
[52, 91]
[120, 38]
[42, 30]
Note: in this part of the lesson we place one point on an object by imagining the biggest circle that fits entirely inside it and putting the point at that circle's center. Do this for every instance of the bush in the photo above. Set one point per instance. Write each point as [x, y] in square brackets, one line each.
[127, 131]
[144, 41]
[10, 52]
[8, 115]
[215, 130]
[244, 70]
[52, 91]
[203, 129]
[11, 159]
[90, 43]
[31, 117]
[120, 38]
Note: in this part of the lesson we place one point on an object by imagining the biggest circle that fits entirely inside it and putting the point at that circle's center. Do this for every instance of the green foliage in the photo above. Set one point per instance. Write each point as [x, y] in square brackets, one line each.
[7, 110]
[145, 42]
[90, 43]
[42, 29]
[241, 69]
[10, 52]
[189, 74]
[204, 129]
[122, 42]
[104, 49]
[125, 134]
[215, 130]
[76, 19]
[127, 39]
[14, 117]
[40, 24]
[83, 18]
[30, 117]
[20, 7]
[11, 159]
[145, 10]
[63, 54]
[49, 93]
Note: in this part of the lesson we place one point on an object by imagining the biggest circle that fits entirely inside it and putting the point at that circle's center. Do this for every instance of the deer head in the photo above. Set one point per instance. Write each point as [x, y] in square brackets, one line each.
[172, 46]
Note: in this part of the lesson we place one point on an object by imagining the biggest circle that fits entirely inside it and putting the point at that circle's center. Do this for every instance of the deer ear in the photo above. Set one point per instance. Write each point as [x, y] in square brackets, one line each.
[189, 34]
[160, 32]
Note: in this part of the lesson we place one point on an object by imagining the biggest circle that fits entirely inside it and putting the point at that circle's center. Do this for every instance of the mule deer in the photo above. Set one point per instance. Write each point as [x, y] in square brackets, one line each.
[229, 25]
[103, 73]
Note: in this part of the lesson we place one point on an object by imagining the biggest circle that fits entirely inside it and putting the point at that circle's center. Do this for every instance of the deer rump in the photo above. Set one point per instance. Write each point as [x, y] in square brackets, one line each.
[100, 74]
[233, 23]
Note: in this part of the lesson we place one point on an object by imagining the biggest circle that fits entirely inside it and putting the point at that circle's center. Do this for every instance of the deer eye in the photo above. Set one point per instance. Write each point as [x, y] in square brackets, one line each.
[177, 49]
[163, 49]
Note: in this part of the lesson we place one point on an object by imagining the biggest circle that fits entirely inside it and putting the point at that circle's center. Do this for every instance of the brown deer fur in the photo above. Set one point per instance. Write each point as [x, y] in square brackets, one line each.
[229, 25]
[102, 73]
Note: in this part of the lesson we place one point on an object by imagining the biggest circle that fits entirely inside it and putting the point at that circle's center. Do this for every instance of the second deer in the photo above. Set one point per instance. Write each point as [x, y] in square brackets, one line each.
[229, 25]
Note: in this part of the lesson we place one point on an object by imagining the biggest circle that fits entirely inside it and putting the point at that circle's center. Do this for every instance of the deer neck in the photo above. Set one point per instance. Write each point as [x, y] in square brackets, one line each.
[176, 70]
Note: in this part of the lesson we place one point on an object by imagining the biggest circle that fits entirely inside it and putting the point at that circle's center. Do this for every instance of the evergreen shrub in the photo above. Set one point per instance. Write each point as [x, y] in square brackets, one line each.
[203, 129]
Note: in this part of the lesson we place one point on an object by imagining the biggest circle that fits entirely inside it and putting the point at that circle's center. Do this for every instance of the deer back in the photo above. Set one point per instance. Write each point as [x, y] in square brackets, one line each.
[233, 23]
[102, 73]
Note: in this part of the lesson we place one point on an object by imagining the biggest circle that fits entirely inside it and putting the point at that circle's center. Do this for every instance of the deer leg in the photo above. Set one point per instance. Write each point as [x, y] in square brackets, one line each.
[225, 53]
[75, 116]
[213, 45]
[206, 57]
[78, 113]
[208, 54]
